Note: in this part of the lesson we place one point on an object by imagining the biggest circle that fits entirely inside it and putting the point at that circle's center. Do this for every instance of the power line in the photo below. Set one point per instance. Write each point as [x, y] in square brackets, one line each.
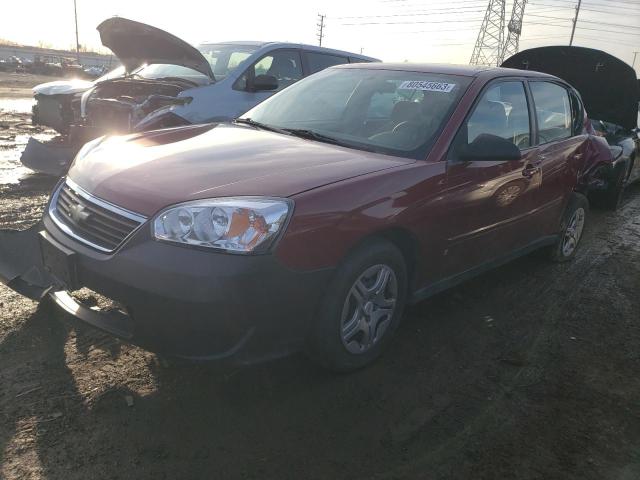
[589, 21]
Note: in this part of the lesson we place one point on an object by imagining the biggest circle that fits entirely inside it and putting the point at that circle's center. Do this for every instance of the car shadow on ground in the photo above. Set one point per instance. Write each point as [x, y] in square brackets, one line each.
[525, 372]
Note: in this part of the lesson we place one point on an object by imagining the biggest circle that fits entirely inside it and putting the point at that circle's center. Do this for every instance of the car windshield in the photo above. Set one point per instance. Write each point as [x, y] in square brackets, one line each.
[225, 58]
[385, 111]
[158, 71]
[222, 58]
[116, 72]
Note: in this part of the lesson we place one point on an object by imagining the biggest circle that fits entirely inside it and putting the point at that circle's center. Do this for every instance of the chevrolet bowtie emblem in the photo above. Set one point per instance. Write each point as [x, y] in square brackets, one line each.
[78, 213]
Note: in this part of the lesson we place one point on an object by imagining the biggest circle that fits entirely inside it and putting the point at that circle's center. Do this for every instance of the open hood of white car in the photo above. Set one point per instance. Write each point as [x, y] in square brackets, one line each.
[136, 44]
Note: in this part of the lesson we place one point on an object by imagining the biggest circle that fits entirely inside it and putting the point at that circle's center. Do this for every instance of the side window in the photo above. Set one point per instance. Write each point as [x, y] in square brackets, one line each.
[577, 112]
[320, 61]
[502, 111]
[284, 65]
[553, 111]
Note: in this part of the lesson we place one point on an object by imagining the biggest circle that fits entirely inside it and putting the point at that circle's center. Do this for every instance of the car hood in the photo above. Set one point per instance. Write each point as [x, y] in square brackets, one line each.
[136, 44]
[608, 85]
[147, 172]
[62, 87]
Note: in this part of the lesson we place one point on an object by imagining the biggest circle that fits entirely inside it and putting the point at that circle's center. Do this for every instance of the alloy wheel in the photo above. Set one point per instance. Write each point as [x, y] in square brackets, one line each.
[573, 232]
[369, 308]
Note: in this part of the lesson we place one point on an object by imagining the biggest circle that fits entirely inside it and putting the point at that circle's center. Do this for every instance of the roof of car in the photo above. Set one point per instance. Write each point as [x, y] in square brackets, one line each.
[449, 69]
[313, 48]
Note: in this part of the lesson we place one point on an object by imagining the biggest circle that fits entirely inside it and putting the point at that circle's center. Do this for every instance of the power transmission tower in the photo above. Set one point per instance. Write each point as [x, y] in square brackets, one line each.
[488, 48]
[514, 29]
[321, 28]
[575, 20]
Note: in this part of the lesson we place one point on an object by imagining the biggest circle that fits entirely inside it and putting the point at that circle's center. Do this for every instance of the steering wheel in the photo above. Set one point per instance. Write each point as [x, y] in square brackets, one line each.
[522, 141]
[542, 138]
[409, 126]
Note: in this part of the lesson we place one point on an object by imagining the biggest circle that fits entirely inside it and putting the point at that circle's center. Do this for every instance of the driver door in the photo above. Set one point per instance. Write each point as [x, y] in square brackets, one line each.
[283, 64]
[489, 201]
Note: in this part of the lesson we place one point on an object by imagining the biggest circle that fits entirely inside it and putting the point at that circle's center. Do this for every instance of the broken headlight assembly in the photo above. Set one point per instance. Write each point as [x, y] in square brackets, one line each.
[234, 224]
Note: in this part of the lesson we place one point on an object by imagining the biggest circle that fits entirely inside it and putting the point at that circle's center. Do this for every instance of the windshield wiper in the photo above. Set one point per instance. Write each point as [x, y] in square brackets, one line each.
[262, 126]
[311, 135]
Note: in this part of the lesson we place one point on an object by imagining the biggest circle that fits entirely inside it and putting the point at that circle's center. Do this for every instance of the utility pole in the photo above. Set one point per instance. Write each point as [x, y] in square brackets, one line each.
[635, 54]
[321, 28]
[75, 14]
[575, 20]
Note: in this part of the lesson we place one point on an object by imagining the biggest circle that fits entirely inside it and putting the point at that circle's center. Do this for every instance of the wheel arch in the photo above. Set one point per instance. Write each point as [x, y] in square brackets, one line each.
[404, 240]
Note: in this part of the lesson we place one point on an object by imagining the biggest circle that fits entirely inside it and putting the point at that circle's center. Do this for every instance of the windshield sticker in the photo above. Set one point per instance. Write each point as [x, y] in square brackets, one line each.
[427, 86]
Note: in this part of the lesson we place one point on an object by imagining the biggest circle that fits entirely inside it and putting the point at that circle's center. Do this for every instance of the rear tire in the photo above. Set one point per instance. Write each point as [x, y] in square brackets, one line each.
[361, 308]
[572, 229]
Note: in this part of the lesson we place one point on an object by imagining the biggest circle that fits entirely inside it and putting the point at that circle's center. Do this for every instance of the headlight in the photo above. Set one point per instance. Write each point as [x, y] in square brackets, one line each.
[238, 224]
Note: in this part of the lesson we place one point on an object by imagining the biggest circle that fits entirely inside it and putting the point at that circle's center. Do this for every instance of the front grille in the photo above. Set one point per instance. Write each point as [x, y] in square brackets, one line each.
[90, 220]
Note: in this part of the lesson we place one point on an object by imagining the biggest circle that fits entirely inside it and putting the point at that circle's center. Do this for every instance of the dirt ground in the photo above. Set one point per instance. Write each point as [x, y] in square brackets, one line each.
[528, 372]
[20, 84]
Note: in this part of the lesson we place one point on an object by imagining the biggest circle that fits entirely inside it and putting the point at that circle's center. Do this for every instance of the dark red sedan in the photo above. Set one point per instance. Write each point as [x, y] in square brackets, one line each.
[313, 220]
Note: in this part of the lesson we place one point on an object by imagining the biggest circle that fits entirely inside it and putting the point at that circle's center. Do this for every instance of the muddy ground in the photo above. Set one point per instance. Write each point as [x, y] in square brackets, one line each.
[528, 372]
[19, 85]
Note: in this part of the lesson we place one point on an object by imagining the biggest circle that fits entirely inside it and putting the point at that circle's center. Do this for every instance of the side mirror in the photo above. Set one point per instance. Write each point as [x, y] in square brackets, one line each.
[262, 83]
[489, 148]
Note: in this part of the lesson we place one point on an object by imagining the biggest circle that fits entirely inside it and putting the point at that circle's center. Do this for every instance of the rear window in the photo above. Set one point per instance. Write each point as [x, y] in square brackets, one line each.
[320, 61]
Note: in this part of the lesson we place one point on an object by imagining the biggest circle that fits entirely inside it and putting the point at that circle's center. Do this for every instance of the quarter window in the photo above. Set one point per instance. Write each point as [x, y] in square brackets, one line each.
[553, 110]
[320, 61]
[502, 111]
[577, 113]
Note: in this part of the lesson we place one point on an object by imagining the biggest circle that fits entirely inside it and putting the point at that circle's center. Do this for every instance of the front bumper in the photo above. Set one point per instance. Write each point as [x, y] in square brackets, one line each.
[184, 302]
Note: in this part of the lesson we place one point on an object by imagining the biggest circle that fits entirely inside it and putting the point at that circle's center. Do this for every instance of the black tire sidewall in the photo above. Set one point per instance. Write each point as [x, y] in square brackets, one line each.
[325, 342]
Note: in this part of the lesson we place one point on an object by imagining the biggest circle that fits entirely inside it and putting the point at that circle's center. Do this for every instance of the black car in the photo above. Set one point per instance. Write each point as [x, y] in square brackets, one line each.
[611, 94]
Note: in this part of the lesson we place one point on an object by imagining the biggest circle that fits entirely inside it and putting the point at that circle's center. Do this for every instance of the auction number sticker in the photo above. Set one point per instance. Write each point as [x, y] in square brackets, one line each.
[427, 86]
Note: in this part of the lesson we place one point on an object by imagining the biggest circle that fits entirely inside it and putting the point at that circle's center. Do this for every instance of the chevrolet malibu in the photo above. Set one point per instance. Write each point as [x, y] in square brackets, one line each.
[314, 219]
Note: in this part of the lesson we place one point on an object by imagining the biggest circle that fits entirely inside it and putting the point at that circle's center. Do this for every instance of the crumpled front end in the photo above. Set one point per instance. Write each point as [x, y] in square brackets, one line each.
[21, 265]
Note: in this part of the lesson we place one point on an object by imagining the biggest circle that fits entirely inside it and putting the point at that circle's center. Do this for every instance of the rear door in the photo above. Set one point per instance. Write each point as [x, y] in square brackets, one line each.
[489, 201]
[559, 140]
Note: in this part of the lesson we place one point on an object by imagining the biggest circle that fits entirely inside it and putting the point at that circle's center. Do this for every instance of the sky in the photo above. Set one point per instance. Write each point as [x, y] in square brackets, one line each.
[392, 30]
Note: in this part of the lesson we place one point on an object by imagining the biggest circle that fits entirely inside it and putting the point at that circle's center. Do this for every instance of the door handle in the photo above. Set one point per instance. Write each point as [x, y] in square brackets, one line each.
[530, 170]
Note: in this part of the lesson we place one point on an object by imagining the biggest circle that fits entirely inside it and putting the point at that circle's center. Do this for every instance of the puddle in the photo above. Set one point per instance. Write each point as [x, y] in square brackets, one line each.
[17, 105]
[15, 130]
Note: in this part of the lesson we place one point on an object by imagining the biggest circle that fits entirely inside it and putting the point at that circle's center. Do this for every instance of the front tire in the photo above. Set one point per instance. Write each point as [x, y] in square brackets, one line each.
[572, 229]
[361, 308]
